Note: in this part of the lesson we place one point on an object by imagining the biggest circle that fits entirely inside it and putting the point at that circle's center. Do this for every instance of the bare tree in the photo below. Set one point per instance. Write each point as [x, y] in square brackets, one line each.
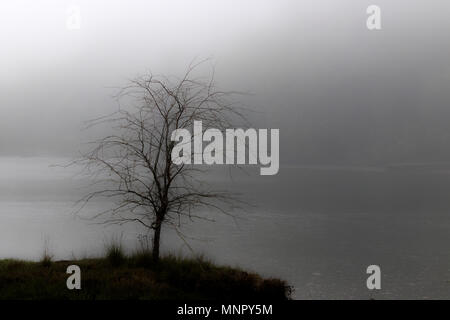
[134, 164]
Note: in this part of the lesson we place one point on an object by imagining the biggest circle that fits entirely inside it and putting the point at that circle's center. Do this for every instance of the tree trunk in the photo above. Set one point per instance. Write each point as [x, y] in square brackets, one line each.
[156, 242]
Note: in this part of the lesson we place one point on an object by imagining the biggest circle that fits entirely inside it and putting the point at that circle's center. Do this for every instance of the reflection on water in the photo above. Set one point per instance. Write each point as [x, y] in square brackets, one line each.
[319, 228]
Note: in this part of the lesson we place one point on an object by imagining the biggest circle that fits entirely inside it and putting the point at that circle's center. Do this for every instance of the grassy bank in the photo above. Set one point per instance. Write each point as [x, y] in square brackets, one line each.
[135, 277]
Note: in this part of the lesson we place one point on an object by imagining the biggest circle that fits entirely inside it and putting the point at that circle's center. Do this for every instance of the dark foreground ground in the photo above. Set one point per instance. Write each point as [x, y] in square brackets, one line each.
[136, 277]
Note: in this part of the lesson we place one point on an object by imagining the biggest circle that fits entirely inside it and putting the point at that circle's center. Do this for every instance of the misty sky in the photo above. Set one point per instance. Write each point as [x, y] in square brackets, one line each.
[339, 93]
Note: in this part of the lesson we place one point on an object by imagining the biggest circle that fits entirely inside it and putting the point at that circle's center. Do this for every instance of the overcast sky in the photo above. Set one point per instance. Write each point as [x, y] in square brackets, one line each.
[339, 93]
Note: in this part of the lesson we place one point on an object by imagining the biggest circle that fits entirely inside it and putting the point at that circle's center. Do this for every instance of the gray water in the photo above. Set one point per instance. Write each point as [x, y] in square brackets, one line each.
[316, 227]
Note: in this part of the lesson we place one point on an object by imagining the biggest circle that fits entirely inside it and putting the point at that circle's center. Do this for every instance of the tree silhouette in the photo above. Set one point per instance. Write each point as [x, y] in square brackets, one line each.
[134, 164]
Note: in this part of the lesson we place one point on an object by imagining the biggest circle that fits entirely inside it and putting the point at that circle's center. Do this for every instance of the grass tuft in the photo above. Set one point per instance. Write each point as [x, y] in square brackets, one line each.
[47, 258]
[115, 255]
[142, 258]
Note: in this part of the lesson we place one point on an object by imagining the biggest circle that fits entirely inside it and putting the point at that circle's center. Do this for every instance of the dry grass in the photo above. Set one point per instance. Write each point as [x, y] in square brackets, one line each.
[136, 277]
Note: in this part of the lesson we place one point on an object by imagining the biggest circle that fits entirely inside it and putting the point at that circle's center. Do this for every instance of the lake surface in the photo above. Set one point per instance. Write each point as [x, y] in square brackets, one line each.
[317, 227]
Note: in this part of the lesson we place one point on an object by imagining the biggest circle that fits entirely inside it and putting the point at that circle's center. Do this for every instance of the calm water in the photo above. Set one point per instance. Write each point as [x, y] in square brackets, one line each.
[318, 227]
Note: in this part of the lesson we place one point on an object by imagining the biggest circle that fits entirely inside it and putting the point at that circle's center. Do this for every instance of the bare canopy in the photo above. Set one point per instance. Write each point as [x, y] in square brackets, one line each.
[133, 166]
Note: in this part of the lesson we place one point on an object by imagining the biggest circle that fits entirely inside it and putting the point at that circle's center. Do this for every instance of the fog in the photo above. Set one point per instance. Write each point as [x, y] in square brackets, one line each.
[363, 118]
[339, 93]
